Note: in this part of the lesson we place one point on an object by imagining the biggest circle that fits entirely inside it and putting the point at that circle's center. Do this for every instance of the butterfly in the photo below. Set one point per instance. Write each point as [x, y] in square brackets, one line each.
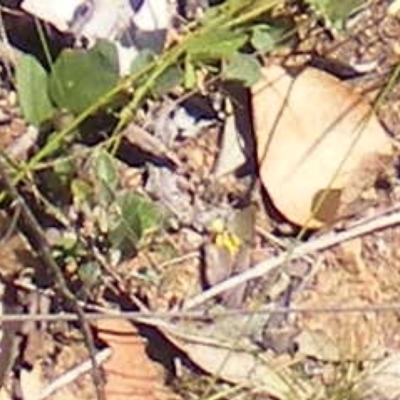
[131, 24]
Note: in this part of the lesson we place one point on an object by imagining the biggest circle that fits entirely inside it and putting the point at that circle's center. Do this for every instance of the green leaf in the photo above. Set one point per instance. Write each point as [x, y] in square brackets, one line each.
[81, 191]
[105, 169]
[107, 177]
[66, 243]
[143, 59]
[216, 45]
[171, 78]
[65, 168]
[190, 74]
[33, 97]
[79, 78]
[211, 15]
[335, 12]
[265, 38]
[137, 217]
[89, 273]
[141, 214]
[242, 67]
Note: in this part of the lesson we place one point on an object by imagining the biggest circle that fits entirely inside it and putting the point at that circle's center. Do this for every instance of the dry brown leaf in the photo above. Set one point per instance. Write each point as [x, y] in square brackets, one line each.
[313, 134]
[130, 373]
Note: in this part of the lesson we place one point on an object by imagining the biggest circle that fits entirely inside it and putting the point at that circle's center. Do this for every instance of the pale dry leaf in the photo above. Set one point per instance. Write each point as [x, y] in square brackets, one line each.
[313, 132]
[4, 395]
[353, 259]
[32, 382]
[317, 344]
[102, 18]
[144, 140]
[393, 8]
[57, 14]
[232, 363]
[132, 26]
[383, 381]
[130, 373]
[231, 152]
[236, 146]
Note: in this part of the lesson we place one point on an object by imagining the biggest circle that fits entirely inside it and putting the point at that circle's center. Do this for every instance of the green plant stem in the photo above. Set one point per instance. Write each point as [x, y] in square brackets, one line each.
[231, 15]
[43, 41]
[172, 57]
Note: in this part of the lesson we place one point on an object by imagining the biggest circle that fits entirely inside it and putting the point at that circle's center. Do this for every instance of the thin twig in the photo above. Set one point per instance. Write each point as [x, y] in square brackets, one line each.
[38, 239]
[178, 260]
[153, 318]
[11, 227]
[321, 243]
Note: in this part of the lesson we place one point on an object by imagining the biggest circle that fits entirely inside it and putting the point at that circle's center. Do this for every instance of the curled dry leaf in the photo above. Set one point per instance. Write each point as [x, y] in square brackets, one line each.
[130, 373]
[314, 136]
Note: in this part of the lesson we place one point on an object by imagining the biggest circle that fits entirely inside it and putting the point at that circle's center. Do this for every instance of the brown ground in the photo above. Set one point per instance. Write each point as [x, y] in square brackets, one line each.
[363, 272]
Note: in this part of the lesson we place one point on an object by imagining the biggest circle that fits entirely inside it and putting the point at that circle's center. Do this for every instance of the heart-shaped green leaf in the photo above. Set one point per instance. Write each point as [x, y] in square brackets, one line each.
[79, 78]
[137, 217]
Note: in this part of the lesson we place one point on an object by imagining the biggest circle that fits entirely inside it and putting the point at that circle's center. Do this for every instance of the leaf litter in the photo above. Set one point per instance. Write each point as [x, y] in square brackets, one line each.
[155, 274]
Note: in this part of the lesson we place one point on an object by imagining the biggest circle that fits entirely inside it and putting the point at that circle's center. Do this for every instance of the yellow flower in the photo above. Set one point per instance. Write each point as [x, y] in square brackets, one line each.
[225, 239]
